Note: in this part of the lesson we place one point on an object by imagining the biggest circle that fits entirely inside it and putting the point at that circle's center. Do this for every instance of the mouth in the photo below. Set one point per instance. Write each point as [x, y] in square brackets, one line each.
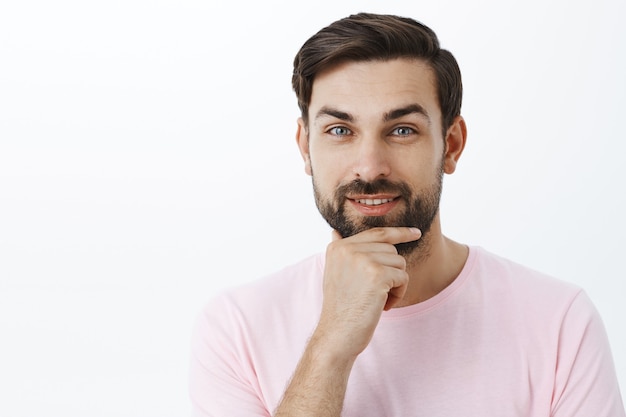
[373, 201]
[374, 205]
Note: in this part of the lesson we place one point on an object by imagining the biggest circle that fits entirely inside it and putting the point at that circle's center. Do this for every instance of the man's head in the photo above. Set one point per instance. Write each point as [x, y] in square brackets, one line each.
[374, 37]
[372, 133]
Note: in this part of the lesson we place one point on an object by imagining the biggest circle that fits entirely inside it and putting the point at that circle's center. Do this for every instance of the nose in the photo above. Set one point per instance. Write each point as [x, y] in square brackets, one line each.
[372, 160]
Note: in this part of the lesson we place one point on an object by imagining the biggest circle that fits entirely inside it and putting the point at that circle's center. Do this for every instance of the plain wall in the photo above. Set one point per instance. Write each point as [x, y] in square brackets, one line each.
[148, 160]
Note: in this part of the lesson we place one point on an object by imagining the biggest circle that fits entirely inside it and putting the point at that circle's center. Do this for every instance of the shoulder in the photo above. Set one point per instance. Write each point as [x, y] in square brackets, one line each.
[513, 286]
[299, 283]
[504, 271]
[276, 311]
[539, 304]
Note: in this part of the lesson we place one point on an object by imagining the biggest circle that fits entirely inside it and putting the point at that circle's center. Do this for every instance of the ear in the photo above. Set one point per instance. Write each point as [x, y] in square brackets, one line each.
[302, 138]
[455, 143]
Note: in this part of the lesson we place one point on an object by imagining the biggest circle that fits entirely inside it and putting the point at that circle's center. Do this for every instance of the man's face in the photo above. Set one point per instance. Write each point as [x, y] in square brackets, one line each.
[374, 146]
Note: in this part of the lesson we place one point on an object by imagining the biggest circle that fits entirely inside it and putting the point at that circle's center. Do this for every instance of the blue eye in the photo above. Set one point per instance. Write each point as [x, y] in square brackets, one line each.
[339, 131]
[403, 131]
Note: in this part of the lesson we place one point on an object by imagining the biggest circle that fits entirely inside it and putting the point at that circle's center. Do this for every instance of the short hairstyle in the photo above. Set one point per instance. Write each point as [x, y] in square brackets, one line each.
[375, 37]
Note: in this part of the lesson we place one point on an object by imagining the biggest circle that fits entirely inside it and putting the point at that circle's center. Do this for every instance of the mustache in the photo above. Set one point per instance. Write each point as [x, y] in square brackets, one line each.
[379, 186]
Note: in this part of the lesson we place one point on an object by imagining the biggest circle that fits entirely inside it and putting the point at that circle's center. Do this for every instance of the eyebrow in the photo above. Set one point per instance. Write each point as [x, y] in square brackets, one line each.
[388, 116]
[341, 115]
[403, 111]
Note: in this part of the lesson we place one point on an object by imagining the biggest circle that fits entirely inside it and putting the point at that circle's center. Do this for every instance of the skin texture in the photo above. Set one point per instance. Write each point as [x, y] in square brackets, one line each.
[371, 121]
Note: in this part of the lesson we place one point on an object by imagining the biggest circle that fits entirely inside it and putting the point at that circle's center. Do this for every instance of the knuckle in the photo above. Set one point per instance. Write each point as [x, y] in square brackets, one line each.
[338, 249]
[379, 233]
[405, 276]
[373, 267]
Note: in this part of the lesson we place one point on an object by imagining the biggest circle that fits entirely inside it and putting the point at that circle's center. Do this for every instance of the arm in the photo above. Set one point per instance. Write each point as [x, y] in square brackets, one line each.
[318, 385]
[220, 383]
[363, 276]
[585, 383]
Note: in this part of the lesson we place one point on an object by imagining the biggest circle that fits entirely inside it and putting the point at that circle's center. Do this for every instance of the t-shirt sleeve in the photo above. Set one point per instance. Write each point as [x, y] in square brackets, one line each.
[221, 380]
[586, 383]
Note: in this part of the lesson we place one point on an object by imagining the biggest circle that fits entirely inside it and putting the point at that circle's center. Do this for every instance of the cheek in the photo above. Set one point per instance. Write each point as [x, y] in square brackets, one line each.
[326, 166]
[326, 177]
[419, 170]
[331, 163]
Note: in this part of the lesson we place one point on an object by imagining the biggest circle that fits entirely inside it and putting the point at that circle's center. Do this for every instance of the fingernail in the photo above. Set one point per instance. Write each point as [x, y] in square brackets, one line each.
[415, 230]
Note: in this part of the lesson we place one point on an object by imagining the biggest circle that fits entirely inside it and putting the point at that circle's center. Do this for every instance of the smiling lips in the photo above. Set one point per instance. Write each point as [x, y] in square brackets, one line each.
[374, 202]
[374, 205]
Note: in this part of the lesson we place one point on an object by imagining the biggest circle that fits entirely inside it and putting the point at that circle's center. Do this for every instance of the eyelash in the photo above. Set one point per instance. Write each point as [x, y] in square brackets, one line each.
[332, 131]
[409, 131]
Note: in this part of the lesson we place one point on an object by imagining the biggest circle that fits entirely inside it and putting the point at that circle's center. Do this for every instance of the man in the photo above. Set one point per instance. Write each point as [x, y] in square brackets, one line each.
[395, 319]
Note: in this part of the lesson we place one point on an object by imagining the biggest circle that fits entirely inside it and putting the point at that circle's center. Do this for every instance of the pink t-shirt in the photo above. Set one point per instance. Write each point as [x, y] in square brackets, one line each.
[501, 340]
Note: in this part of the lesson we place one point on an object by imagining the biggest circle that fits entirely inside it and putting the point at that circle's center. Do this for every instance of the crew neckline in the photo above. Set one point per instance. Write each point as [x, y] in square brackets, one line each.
[442, 296]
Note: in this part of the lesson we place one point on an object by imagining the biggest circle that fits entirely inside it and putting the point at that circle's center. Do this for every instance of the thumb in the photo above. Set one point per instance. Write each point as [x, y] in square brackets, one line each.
[335, 235]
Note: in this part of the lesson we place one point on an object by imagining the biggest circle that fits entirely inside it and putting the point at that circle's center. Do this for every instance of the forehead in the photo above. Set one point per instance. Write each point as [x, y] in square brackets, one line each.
[372, 88]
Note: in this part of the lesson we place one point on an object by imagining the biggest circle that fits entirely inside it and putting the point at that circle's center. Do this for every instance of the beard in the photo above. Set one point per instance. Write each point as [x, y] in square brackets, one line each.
[420, 210]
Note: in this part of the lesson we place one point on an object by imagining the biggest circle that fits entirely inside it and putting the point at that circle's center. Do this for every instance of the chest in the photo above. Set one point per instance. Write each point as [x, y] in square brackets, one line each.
[465, 364]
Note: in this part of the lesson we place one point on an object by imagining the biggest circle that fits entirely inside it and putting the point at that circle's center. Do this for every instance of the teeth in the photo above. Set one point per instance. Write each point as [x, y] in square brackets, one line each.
[376, 202]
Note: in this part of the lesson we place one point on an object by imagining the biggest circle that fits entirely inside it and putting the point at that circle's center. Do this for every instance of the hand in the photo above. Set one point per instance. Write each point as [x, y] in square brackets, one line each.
[364, 275]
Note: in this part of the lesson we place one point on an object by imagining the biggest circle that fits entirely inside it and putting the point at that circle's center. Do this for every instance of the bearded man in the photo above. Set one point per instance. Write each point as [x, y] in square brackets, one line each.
[394, 318]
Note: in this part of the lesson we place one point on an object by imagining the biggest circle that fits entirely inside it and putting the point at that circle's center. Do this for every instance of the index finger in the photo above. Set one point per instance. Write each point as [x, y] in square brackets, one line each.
[390, 235]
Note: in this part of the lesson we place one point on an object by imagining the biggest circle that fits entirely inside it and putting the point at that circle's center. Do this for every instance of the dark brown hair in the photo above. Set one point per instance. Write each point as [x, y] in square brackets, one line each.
[370, 37]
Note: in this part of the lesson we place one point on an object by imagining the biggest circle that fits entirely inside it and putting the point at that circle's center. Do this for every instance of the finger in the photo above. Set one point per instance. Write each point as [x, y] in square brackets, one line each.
[345, 248]
[335, 235]
[398, 289]
[390, 235]
[371, 247]
[389, 258]
[394, 297]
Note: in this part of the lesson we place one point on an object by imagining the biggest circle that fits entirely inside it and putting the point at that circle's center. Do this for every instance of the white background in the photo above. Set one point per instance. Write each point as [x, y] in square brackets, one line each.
[147, 160]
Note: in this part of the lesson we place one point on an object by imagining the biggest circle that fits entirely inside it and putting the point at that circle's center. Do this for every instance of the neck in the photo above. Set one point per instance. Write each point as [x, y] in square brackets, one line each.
[433, 266]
